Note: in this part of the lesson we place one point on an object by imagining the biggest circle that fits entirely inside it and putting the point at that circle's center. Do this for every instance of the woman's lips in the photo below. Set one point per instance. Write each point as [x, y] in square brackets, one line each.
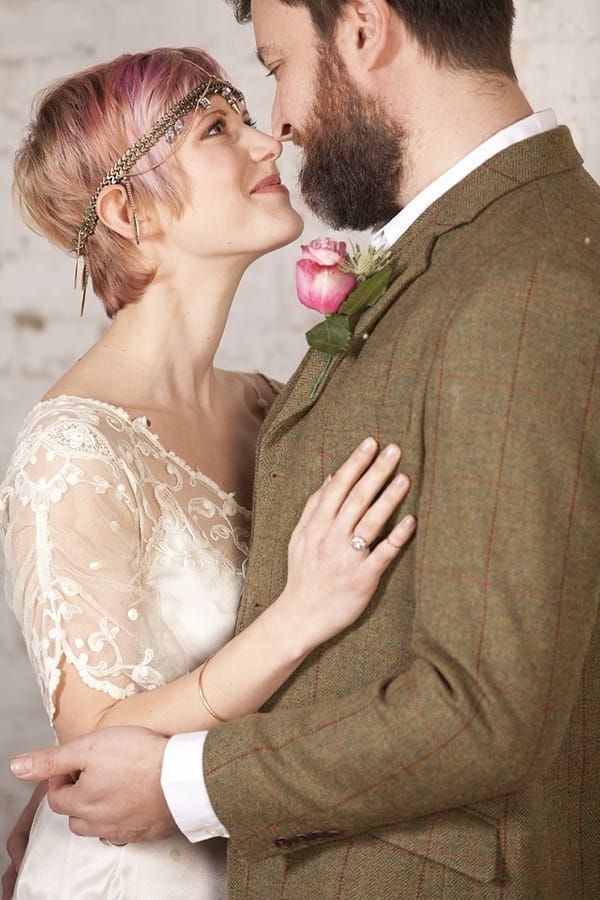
[269, 185]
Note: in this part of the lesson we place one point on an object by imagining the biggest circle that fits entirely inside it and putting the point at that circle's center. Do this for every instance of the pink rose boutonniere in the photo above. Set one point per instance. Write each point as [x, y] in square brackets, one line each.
[341, 285]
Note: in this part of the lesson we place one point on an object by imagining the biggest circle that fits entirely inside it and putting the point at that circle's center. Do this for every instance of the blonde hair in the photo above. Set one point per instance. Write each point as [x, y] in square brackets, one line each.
[81, 125]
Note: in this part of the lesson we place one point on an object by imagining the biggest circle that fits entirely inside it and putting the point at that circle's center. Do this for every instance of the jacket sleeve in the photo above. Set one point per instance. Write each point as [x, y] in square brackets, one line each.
[507, 590]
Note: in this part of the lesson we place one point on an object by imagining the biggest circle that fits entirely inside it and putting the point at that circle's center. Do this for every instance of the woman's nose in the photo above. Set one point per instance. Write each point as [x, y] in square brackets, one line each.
[264, 146]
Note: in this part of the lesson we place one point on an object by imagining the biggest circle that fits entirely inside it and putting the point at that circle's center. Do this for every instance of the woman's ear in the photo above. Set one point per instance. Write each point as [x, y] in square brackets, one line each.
[363, 34]
[116, 209]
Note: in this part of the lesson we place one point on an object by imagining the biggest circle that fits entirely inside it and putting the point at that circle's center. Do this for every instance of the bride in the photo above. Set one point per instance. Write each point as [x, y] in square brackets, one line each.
[125, 509]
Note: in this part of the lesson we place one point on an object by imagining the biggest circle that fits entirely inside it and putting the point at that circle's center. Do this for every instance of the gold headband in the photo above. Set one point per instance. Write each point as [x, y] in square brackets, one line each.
[169, 125]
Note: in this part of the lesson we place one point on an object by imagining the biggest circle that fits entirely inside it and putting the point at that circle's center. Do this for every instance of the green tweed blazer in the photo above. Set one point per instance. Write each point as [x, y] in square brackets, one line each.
[448, 744]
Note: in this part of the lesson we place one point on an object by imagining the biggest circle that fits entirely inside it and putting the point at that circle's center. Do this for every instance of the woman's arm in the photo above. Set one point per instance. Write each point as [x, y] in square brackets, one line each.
[329, 586]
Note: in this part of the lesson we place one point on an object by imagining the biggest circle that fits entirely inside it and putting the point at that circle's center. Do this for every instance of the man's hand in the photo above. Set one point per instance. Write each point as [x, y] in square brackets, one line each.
[107, 782]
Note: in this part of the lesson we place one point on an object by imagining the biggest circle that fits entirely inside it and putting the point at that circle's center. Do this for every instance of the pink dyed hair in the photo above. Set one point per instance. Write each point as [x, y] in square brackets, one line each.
[81, 125]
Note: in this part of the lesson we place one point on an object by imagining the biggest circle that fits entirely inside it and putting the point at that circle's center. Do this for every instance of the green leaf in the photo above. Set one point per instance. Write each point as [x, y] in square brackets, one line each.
[367, 292]
[331, 336]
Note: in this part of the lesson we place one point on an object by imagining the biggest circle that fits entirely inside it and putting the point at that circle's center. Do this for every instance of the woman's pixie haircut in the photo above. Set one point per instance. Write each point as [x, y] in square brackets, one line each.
[81, 125]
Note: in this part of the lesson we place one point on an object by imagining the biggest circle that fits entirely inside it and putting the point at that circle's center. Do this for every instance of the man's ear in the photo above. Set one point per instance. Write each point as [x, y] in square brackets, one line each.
[116, 209]
[364, 33]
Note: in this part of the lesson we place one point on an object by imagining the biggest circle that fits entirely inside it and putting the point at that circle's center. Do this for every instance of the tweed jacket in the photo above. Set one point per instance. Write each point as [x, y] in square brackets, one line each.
[448, 744]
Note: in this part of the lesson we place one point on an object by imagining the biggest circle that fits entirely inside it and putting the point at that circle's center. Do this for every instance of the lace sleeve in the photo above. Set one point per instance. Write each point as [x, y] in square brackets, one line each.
[69, 517]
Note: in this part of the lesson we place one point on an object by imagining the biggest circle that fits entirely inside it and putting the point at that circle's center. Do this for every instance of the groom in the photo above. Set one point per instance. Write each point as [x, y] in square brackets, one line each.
[447, 746]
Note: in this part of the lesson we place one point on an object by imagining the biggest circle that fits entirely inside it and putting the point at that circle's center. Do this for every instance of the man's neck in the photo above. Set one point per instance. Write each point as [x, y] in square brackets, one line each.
[523, 129]
[466, 109]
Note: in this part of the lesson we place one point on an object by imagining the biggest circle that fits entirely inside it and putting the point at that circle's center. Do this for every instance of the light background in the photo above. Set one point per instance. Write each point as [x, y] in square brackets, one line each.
[556, 49]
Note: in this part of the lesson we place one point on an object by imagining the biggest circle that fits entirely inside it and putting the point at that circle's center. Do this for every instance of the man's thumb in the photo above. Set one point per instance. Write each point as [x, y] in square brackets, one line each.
[37, 765]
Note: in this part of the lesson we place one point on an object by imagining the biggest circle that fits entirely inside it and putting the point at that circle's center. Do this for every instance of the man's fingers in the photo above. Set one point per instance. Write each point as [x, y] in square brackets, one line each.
[37, 765]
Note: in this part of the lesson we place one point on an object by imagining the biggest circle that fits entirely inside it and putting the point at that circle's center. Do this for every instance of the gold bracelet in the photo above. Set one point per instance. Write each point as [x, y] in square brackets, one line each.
[205, 702]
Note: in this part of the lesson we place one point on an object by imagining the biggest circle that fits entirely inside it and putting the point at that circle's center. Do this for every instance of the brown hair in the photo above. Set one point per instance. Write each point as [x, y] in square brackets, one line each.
[81, 125]
[465, 34]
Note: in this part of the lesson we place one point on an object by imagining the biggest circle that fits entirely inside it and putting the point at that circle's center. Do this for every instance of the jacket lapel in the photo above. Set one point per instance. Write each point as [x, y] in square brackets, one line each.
[537, 157]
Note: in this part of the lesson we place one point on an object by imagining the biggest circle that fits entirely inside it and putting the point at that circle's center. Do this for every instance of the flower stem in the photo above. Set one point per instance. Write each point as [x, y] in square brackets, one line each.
[322, 375]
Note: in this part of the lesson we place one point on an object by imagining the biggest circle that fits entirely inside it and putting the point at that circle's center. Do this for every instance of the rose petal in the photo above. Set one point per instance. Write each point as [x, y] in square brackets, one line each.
[323, 288]
[325, 251]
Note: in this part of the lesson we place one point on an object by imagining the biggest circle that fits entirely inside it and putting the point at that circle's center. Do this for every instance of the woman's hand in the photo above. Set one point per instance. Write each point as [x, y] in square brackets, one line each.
[330, 577]
[19, 838]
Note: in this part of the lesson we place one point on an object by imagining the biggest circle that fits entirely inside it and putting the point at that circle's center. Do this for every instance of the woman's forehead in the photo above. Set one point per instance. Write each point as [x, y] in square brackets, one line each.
[218, 103]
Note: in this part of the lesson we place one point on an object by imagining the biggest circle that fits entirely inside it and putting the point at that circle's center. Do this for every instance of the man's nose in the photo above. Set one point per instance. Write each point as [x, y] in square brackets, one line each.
[280, 127]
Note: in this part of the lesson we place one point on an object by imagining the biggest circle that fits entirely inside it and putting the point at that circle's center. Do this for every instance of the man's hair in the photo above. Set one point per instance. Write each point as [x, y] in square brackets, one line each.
[464, 34]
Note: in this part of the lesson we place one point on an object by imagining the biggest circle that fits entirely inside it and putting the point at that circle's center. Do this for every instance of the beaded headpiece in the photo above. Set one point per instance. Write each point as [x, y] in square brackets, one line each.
[170, 126]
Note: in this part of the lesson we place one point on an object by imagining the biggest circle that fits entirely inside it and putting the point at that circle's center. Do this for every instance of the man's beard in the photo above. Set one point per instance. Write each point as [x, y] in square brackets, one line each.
[353, 153]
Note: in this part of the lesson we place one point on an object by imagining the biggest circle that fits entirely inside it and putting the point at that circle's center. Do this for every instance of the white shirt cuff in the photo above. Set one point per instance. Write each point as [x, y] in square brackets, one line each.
[182, 782]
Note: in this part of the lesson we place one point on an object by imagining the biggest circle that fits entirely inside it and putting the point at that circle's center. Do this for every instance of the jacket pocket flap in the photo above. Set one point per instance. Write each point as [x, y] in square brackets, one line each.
[465, 843]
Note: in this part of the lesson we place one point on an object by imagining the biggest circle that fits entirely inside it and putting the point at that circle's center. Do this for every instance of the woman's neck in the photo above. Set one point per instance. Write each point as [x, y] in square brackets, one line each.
[160, 351]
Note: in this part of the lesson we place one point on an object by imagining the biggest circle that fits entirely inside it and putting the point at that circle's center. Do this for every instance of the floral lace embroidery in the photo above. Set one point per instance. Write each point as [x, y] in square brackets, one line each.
[101, 529]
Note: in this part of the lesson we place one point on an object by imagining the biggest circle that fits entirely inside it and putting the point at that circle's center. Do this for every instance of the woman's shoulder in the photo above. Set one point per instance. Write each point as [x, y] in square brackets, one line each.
[267, 388]
[70, 426]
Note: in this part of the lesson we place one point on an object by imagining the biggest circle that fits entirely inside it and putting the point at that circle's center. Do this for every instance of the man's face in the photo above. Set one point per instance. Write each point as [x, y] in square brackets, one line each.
[353, 151]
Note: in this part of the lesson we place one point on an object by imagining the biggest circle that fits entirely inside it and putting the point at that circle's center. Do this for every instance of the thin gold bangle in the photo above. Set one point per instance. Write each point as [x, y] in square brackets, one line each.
[205, 702]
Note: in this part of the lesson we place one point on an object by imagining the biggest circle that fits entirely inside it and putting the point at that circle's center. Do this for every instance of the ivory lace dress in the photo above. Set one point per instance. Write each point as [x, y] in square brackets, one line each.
[129, 564]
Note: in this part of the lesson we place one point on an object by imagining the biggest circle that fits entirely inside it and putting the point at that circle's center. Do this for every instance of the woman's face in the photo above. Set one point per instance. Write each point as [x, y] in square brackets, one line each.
[235, 204]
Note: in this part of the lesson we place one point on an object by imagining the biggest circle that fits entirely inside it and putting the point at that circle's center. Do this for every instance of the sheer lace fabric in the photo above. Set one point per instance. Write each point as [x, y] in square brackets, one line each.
[118, 556]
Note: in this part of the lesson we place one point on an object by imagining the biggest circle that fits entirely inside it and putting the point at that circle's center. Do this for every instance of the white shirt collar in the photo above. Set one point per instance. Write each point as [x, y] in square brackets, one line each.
[537, 123]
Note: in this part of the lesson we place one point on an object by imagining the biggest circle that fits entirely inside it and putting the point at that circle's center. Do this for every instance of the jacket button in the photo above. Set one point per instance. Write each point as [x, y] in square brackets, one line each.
[282, 843]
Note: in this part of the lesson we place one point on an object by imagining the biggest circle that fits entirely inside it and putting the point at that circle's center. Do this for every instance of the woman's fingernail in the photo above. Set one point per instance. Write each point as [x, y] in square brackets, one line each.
[400, 482]
[367, 444]
[391, 451]
[21, 765]
[408, 523]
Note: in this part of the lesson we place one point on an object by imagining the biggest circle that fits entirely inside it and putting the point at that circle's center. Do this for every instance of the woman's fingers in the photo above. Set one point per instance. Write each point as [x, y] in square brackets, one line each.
[364, 494]
[387, 549]
[311, 505]
[335, 489]
[357, 482]
[371, 524]
[359, 498]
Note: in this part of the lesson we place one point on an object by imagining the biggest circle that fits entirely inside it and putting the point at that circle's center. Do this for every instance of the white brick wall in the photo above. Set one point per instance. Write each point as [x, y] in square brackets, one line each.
[556, 52]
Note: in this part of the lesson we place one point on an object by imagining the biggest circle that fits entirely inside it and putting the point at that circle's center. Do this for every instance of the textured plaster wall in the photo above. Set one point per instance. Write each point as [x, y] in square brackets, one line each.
[557, 48]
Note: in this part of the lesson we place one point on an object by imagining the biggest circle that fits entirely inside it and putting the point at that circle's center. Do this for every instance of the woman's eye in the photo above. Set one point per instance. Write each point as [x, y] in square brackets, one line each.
[217, 128]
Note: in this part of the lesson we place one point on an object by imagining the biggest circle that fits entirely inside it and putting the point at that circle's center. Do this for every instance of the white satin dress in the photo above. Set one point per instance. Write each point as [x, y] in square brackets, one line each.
[128, 564]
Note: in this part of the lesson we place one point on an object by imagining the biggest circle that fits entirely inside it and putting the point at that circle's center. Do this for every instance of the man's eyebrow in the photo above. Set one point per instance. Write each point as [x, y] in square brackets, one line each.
[265, 52]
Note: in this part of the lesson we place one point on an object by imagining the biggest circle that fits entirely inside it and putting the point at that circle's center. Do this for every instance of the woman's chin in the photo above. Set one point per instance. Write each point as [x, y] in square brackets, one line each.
[289, 232]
